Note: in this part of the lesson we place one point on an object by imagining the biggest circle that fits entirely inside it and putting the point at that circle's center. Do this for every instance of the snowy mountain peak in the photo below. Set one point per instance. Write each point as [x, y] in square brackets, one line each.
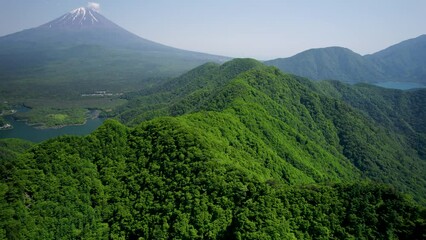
[83, 17]
[80, 16]
[79, 11]
[83, 10]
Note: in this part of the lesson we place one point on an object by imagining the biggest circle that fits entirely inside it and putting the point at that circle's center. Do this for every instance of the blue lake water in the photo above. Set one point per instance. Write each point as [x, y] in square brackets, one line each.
[400, 85]
[24, 131]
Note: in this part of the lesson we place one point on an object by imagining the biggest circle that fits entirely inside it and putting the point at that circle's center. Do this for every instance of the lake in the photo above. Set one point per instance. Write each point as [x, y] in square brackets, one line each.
[400, 85]
[24, 131]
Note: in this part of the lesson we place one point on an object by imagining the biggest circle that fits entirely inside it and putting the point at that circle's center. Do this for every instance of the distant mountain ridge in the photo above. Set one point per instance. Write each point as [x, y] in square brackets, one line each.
[406, 60]
[402, 62]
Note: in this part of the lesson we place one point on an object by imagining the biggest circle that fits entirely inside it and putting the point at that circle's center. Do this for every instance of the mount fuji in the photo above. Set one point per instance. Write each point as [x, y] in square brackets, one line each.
[82, 51]
[86, 25]
[82, 17]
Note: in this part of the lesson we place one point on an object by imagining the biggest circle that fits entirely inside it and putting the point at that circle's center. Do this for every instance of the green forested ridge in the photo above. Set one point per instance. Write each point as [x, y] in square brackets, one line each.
[11, 148]
[183, 94]
[293, 115]
[164, 179]
[401, 111]
[232, 151]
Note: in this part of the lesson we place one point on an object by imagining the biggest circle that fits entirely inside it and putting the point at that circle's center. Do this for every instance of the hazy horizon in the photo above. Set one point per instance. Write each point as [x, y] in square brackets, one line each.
[243, 28]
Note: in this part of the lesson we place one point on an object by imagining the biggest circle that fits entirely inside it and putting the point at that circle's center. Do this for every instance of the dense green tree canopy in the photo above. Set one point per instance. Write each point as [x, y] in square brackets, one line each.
[232, 151]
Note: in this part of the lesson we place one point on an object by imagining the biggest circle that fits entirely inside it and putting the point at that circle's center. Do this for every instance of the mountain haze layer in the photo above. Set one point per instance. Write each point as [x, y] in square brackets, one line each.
[403, 62]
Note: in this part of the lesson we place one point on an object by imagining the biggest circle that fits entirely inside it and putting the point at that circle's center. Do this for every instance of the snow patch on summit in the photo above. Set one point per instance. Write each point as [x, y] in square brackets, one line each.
[79, 17]
[82, 18]
[78, 11]
[93, 17]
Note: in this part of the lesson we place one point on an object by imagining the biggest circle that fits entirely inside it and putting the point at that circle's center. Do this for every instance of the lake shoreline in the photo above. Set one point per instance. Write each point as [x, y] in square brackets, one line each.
[36, 132]
[24, 131]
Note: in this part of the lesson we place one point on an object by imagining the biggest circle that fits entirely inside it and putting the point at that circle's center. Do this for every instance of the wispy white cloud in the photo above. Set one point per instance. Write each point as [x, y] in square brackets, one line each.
[94, 6]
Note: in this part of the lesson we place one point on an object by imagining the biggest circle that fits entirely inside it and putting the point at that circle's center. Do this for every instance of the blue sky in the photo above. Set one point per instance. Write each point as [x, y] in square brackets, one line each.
[262, 29]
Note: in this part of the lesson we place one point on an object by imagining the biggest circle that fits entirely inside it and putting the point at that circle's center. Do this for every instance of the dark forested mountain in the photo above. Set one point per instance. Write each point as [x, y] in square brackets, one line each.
[329, 63]
[82, 51]
[403, 62]
[232, 151]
